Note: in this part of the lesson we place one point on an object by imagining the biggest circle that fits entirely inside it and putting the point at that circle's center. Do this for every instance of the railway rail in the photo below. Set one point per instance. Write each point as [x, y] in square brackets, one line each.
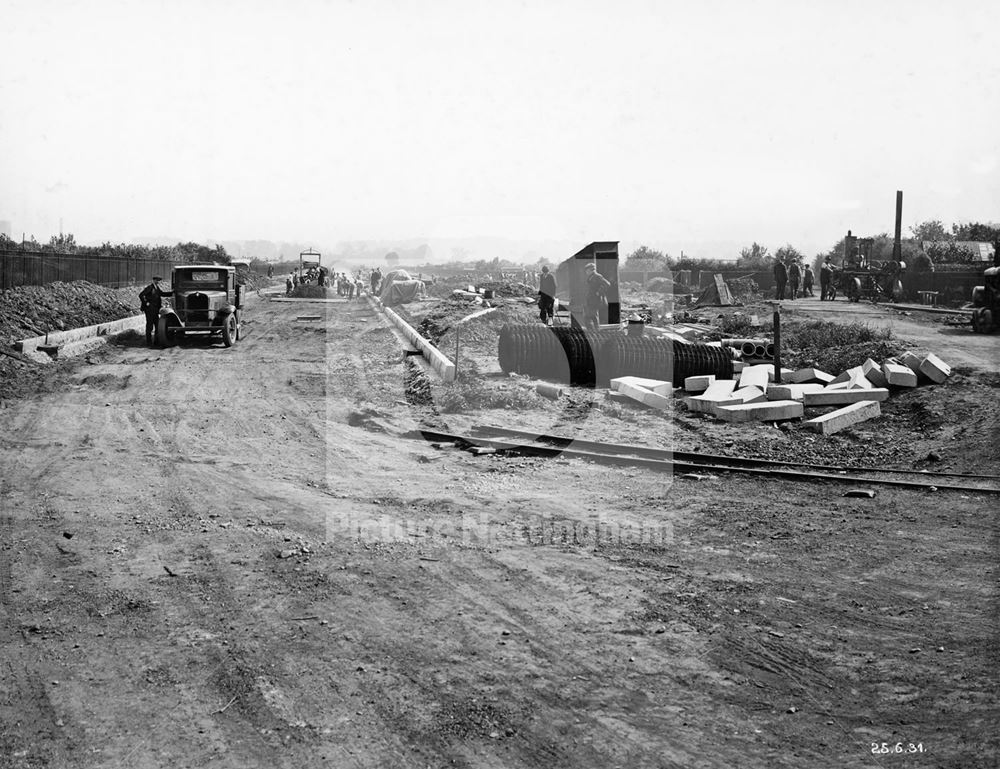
[515, 442]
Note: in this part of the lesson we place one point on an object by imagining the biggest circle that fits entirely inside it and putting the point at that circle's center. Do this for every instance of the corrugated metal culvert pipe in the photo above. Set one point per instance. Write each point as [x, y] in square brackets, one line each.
[666, 359]
[578, 357]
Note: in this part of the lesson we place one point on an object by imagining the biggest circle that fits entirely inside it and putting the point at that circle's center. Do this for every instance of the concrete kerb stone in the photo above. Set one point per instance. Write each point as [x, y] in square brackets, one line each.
[658, 386]
[912, 361]
[847, 376]
[755, 376]
[739, 397]
[845, 417]
[698, 384]
[935, 369]
[873, 373]
[791, 392]
[843, 397]
[644, 396]
[719, 390]
[29, 347]
[438, 361]
[808, 375]
[760, 412]
[898, 375]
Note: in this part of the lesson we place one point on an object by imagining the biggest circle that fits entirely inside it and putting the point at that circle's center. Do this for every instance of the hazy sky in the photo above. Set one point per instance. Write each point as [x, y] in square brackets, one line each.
[684, 125]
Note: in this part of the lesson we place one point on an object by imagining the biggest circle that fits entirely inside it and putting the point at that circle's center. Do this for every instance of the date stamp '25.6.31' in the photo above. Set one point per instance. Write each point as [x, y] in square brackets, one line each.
[885, 748]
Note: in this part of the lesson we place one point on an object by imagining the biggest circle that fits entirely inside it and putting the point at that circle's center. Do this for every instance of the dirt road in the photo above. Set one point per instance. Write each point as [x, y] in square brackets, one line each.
[233, 558]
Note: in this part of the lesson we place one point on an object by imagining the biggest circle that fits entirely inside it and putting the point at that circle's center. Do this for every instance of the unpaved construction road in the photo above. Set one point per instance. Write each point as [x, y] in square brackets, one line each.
[233, 558]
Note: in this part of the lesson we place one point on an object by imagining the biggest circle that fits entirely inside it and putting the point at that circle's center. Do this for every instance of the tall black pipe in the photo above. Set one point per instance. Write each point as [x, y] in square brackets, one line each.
[897, 251]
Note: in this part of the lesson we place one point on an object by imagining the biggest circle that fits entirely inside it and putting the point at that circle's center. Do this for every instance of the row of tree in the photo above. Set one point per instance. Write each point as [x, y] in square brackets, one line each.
[66, 244]
[930, 244]
[753, 258]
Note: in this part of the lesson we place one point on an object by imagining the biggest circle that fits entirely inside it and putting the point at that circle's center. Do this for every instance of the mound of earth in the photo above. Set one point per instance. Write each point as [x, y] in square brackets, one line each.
[28, 311]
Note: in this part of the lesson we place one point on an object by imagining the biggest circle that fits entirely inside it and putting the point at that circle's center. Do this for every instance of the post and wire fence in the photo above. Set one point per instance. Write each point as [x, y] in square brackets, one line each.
[38, 268]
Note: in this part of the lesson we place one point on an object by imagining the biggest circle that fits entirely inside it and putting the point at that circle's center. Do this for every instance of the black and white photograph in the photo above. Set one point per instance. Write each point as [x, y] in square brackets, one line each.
[521, 384]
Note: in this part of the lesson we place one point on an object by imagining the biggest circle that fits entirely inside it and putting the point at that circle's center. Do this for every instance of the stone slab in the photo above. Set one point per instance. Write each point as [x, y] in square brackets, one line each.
[644, 396]
[755, 376]
[935, 369]
[843, 418]
[808, 375]
[657, 386]
[859, 382]
[698, 384]
[760, 412]
[842, 397]
[898, 375]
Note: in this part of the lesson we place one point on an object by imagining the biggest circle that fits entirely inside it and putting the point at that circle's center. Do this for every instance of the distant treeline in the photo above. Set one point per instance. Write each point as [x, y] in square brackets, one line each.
[66, 244]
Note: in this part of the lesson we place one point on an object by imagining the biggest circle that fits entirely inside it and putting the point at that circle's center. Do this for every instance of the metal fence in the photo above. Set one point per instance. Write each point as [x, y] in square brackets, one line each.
[36, 268]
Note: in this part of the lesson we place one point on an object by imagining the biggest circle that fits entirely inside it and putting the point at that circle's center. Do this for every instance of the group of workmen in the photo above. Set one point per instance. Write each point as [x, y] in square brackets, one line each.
[595, 302]
[788, 277]
[347, 286]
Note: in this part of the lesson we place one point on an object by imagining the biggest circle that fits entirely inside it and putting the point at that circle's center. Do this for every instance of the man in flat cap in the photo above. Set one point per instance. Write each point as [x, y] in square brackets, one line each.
[597, 297]
[150, 301]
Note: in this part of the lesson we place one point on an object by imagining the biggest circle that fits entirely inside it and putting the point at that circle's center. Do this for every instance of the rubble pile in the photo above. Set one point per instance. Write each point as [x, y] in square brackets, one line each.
[28, 311]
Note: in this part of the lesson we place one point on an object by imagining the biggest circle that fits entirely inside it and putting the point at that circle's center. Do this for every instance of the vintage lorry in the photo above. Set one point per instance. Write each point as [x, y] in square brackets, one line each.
[207, 300]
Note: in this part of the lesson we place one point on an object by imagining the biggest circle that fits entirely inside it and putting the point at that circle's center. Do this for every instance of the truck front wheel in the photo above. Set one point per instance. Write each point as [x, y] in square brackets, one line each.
[230, 331]
[165, 336]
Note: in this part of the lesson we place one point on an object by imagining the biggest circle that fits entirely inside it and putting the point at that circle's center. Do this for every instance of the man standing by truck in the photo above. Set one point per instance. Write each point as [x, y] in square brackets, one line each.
[150, 302]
